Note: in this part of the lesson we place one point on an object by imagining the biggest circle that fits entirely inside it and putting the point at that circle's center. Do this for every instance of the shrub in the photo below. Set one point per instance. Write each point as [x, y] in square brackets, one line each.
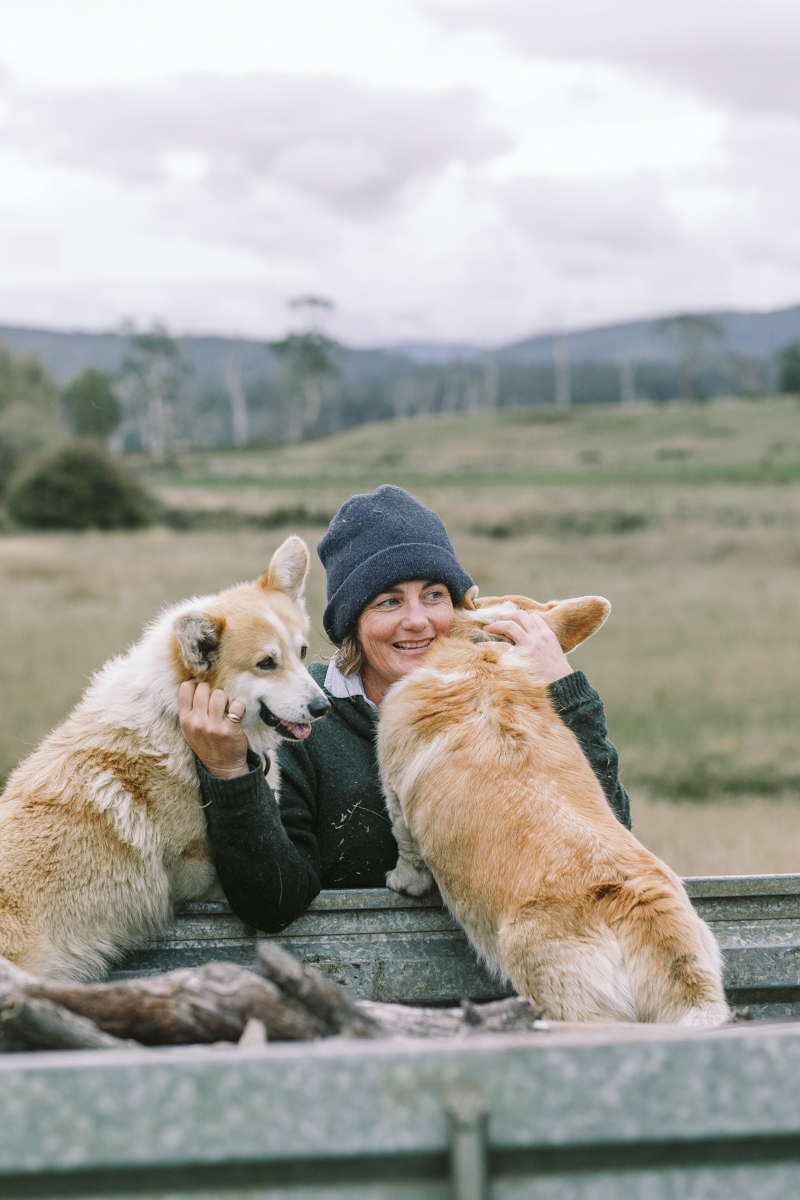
[553, 522]
[78, 486]
[24, 430]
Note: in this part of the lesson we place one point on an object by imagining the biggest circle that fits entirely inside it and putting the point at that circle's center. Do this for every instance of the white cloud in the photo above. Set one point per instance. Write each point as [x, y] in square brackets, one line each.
[461, 170]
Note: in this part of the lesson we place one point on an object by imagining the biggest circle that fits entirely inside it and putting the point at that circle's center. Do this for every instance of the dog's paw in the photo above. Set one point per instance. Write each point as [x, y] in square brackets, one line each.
[411, 879]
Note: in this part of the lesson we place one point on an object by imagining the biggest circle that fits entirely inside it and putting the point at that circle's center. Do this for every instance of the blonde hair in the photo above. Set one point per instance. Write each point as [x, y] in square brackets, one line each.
[350, 656]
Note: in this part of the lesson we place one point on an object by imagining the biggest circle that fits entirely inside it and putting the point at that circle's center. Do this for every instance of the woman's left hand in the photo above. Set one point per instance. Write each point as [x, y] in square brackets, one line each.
[536, 643]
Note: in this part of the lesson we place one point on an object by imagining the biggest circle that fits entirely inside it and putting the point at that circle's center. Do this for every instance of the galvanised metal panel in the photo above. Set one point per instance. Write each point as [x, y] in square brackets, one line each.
[387, 947]
[637, 1111]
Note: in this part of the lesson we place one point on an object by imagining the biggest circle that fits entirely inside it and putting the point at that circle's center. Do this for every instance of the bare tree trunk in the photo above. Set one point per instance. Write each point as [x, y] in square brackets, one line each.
[491, 382]
[313, 396]
[627, 382]
[563, 383]
[239, 415]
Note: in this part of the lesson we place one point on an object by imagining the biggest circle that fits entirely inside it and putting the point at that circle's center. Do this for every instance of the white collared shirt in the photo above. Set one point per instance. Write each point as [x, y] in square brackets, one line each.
[341, 686]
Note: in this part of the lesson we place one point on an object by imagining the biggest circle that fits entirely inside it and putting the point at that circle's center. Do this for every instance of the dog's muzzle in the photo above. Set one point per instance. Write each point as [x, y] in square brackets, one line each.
[295, 731]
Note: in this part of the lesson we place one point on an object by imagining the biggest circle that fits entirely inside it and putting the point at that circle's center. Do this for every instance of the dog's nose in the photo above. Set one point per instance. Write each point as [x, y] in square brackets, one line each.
[318, 706]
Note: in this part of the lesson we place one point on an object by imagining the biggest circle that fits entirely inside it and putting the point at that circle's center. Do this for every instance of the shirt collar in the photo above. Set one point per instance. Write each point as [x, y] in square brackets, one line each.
[341, 687]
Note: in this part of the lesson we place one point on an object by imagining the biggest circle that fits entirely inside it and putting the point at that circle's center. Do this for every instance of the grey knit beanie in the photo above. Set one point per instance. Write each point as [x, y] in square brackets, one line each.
[379, 539]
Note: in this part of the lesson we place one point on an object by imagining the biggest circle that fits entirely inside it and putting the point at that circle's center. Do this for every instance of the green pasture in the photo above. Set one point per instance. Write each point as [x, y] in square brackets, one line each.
[686, 517]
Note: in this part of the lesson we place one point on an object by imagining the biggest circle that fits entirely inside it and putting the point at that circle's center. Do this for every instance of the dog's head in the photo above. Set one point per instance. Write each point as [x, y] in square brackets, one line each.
[252, 642]
[572, 621]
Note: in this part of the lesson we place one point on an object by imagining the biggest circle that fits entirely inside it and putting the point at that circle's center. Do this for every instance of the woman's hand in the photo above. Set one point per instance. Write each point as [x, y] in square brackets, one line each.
[536, 642]
[211, 727]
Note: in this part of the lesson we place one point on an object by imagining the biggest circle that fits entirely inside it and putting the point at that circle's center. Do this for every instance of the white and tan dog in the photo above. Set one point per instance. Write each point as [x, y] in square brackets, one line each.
[491, 796]
[101, 829]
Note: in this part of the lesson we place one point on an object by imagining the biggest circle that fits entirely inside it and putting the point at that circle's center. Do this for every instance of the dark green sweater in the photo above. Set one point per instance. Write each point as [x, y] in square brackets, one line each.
[332, 829]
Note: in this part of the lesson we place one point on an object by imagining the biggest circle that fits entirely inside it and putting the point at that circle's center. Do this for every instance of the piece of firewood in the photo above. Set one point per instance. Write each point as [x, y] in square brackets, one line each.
[515, 1015]
[28, 1024]
[212, 1003]
[332, 1005]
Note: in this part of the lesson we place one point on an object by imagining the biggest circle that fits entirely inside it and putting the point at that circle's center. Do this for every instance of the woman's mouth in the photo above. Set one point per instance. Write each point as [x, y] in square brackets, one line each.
[419, 645]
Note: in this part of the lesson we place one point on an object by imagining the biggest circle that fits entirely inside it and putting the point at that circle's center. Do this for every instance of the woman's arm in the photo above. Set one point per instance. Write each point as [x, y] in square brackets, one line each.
[581, 710]
[267, 859]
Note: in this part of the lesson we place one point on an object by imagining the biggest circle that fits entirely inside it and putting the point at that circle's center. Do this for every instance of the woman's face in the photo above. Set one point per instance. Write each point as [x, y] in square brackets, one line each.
[397, 627]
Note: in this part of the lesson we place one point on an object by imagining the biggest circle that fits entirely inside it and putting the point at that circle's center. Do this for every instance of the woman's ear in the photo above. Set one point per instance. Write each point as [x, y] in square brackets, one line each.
[573, 621]
[287, 569]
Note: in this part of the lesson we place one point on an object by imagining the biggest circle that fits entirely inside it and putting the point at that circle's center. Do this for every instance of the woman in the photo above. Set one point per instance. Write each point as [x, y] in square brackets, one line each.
[392, 581]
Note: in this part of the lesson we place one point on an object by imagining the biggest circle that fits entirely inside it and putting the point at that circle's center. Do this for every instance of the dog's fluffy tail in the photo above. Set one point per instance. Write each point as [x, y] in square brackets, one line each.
[573, 968]
[627, 952]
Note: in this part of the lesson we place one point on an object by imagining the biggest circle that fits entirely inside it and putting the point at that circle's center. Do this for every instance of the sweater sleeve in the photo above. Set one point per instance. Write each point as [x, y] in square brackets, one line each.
[581, 710]
[267, 857]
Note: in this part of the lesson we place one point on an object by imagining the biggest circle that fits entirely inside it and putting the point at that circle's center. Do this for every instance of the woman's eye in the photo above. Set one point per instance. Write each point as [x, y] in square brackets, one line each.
[303, 652]
[267, 664]
[435, 596]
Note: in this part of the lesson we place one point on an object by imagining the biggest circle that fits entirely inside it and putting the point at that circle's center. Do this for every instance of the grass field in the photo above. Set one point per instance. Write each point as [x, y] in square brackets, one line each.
[687, 518]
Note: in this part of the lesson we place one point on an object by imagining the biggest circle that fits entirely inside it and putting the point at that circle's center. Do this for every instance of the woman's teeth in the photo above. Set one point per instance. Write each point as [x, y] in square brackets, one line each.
[412, 645]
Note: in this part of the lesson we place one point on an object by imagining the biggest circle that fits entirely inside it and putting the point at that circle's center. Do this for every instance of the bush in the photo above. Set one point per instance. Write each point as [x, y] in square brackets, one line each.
[24, 430]
[553, 522]
[78, 486]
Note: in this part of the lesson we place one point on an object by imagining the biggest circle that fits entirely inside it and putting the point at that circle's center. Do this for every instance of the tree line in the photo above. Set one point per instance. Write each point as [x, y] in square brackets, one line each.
[153, 405]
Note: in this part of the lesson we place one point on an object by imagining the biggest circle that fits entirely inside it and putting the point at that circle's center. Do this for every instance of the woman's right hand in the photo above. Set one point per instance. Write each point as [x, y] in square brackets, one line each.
[219, 742]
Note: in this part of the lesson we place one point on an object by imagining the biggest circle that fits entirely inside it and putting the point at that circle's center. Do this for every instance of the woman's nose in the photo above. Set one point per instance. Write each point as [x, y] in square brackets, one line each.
[415, 616]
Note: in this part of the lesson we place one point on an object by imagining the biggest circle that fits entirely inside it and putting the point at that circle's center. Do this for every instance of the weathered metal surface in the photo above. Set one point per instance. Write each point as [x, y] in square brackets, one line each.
[386, 947]
[646, 1113]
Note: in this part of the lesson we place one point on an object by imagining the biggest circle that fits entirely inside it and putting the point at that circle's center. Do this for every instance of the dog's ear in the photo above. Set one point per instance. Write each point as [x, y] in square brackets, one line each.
[469, 598]
[573, 621]
[199, 637]
[288, 569]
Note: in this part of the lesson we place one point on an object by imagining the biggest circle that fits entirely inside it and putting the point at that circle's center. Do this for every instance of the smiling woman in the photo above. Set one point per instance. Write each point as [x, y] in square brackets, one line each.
[394, 583]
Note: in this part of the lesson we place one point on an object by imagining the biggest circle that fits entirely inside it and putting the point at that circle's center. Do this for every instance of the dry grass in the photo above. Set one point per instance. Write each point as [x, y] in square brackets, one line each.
[698, 665]
[749, 837]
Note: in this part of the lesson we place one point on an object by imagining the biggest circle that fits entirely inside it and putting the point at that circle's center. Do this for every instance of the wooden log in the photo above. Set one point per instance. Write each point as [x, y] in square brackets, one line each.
[514, 1015]
[28, 1024]
[330, 1004]
[212, 1003]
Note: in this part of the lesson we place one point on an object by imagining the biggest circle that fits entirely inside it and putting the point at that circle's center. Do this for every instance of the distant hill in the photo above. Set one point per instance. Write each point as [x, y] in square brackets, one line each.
[606, 365]
[758, 335]
[751, 334]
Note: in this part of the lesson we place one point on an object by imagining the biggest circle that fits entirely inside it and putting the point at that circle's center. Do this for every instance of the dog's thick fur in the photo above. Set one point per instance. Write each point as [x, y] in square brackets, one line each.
[491, 797]
[101, 829]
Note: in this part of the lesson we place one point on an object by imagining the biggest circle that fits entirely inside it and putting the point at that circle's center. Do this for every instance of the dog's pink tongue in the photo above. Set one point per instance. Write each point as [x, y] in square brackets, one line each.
[301, 731]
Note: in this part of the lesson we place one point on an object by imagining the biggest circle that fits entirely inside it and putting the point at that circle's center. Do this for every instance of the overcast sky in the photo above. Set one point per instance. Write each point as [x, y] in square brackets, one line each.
[452, 170]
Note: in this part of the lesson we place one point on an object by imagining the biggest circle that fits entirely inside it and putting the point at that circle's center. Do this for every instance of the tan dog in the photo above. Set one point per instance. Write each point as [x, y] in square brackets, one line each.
[101, 829]
[491, 797]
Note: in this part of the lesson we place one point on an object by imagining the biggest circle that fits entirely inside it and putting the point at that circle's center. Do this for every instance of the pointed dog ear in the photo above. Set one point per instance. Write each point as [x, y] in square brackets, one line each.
[288, 569]
[469, 598]
[573, 621]
[199, 637]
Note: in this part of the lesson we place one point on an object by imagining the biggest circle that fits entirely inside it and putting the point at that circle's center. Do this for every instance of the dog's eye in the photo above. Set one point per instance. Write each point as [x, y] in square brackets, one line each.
[303, 652]
[267, 664]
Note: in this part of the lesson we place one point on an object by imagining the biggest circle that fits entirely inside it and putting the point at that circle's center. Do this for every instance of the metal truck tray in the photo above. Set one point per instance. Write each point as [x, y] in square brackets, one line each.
[629, 1113]
[384, 946]
[626, 1112]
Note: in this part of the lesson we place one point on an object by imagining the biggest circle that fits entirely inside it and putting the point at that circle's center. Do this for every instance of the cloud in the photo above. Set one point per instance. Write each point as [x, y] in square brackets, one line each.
[737, 53]
[353, 148]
